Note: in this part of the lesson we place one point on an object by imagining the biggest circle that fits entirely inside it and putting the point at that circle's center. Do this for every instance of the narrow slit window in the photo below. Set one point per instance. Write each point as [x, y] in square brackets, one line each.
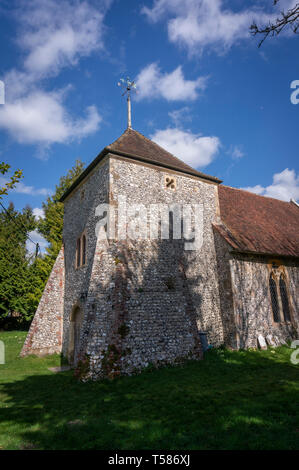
[83, 250]
[274, 299]
[78, 253]
[284, 299]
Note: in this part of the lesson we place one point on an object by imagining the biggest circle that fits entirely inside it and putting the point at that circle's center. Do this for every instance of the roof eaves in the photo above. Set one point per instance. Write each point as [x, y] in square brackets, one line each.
[107, 150]
[164, 165]
[268, 254]
[236, 248]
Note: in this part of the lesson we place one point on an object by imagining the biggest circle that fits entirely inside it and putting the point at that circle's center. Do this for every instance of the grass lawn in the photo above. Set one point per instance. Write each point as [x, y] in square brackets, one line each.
[230, 400]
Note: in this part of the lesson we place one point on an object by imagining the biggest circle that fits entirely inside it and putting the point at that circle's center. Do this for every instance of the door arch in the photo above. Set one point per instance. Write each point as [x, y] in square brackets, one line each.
[74, 335]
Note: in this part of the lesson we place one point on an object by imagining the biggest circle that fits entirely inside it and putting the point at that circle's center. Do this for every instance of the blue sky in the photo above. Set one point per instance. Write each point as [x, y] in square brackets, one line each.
[206, 92]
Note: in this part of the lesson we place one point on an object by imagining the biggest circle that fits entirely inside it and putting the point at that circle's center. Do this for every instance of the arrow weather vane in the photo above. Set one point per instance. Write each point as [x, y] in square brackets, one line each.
[128, 85]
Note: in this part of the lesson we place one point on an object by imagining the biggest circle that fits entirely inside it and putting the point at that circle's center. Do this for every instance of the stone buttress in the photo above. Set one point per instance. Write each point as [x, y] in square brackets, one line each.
[45, 333]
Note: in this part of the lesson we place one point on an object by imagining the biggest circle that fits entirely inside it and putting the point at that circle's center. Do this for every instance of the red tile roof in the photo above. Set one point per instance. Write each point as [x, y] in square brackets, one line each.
[258, 224]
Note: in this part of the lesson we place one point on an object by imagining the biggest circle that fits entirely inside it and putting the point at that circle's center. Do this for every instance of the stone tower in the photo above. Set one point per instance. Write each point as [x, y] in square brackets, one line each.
[127, 290]
[124, 303]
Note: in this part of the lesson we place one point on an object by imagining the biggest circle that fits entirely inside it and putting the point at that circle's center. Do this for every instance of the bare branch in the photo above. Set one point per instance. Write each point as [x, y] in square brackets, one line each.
[290, 19]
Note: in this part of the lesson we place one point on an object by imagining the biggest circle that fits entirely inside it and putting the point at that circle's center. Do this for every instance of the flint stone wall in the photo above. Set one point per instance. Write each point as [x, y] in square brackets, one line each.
[252, 301]
[146, 185]
[79, 217]
[45, 333]
[224, 259]
[245, 297]
[145, 300]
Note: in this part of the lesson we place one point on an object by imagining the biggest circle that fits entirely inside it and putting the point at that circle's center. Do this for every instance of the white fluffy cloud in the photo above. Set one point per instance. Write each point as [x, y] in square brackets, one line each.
[152, 83]
[35, 238]
[285, 186]
[194, 149]
[22, 188]
[52, 38]
[39, 213]
[198, 24]
[57, 36]
[41, 117]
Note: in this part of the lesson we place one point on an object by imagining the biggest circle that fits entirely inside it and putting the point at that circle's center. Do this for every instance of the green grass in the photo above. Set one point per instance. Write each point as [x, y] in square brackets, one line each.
[230, 400]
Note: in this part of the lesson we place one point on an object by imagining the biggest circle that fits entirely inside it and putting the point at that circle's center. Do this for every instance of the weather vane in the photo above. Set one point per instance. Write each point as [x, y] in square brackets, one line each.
[128, 85]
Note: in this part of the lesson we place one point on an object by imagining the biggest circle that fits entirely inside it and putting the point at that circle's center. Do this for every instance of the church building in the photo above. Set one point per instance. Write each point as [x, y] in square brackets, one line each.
[122, 303]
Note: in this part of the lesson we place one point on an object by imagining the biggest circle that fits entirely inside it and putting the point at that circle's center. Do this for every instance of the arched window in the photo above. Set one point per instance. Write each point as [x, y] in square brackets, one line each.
[274, 299]
[78, 253]
[83, 249]
[284, 299]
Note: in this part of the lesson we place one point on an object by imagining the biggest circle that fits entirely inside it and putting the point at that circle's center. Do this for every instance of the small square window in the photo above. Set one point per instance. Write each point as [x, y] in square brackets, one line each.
[170, 182]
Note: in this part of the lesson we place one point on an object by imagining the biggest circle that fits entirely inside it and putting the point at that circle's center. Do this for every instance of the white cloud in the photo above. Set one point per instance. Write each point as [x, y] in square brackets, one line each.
[198, 24]
[39, 213]
[257, 189]
[57, 36]
[180, 115]
[21, 188]
[236, 152]
[285, 186]
[53, 38]
[35, 238]
[194, 149]
[84, 126]
[41, 117]
[152, 83]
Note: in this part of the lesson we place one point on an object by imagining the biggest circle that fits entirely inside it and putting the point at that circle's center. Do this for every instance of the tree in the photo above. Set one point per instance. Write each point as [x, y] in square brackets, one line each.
[290, 19]
[14, 179]
[16, 275]
[51, 226]
[23, 277]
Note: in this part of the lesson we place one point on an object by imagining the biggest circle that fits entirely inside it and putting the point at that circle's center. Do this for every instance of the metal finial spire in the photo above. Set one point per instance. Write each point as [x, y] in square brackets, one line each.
[128, 85]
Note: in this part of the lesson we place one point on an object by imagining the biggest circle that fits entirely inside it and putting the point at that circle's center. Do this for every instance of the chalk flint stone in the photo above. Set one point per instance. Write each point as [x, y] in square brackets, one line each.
[261, 341]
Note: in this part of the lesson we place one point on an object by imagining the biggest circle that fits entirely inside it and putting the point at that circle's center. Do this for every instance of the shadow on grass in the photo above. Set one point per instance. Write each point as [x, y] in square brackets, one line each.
[231, 400]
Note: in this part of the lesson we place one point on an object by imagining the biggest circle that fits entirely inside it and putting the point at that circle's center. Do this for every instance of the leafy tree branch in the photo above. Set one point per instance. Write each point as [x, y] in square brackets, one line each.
[14, 179]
